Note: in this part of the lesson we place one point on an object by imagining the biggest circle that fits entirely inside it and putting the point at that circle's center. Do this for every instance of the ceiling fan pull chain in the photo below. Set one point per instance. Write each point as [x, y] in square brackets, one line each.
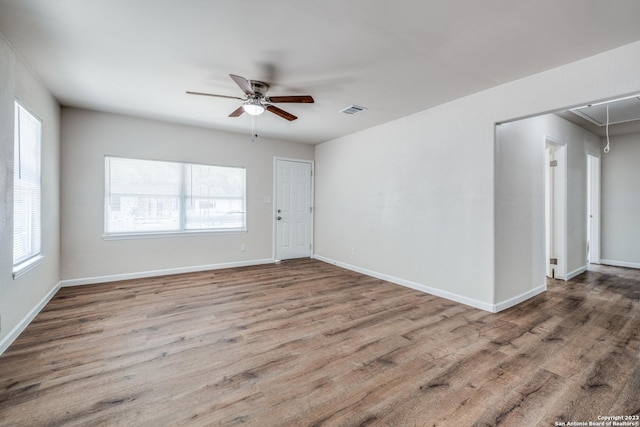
[254, 126]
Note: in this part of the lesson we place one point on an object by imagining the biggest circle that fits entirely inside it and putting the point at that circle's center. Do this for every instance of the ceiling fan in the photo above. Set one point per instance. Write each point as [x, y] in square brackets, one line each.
[256, 100]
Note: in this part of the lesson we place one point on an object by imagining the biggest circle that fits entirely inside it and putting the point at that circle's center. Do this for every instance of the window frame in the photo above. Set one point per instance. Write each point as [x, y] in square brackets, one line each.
[182, 231]
[35, 257]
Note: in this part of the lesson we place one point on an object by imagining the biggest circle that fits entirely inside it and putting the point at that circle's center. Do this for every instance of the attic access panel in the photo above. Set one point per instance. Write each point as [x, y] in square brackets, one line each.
[620, 111]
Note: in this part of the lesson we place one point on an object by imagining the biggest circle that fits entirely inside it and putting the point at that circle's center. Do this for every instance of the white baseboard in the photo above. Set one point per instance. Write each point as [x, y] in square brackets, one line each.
[574, 273]
[15, 332]
[620, 263]
[165, 272]
[413, 285]
[493, 308]
[503, 305]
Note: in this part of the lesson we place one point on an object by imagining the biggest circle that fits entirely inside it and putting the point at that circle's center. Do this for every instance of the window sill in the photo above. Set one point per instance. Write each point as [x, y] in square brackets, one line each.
[160, 235]
[27, 265]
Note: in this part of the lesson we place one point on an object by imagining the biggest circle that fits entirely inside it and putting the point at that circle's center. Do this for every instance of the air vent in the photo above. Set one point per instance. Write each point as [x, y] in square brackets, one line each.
[353, 109]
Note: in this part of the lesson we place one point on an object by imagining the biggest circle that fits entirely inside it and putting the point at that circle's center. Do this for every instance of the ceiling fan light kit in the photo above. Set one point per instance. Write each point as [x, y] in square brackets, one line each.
[256, 100]
[254, 108]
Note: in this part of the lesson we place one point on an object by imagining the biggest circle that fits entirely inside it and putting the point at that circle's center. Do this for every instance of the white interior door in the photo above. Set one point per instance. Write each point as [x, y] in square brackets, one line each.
[293, 209]
[593, 203]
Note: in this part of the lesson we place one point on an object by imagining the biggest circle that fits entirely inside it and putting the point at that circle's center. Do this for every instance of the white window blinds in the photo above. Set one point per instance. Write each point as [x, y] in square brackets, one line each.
[148, 196]
[26, 186]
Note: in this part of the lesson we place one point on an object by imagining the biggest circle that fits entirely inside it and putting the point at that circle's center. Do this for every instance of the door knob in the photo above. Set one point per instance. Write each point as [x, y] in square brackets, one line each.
[279, 218]
[279, 211]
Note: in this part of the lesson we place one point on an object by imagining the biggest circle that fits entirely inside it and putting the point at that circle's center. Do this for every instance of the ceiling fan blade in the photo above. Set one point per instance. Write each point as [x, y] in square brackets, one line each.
[305, 99]
[277, 111]
[243, 83]
[237, 112]
[213, 94]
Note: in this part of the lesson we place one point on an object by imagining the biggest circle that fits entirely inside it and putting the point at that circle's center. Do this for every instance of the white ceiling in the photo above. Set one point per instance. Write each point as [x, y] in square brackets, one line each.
[138, 57]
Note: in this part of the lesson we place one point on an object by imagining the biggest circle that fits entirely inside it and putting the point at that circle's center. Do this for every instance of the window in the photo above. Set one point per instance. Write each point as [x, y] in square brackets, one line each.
[150, 197]
[26, 190]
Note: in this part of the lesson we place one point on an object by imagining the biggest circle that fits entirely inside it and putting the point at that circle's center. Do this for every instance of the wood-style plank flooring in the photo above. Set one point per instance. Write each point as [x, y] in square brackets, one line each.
[305, 343]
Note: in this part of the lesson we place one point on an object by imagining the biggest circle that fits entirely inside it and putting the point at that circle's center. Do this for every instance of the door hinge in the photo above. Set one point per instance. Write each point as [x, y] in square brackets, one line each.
[310, 209]
[311, 172]
[553, 261]
[553, 163]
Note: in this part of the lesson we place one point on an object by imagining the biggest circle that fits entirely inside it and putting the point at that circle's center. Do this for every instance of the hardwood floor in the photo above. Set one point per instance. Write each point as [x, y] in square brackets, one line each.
[305, 343]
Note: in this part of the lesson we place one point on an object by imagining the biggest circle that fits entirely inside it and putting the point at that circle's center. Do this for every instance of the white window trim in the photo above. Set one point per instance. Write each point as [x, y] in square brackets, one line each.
[163, 234]
[28, 265]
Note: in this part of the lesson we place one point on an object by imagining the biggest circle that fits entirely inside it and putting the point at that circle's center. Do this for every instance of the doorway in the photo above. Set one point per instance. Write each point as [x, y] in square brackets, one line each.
[293, 209]
[555, 207]
[593, 206]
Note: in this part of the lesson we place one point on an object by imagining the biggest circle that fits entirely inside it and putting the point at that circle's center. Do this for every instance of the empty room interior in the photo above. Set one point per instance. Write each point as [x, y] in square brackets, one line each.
[287, 213]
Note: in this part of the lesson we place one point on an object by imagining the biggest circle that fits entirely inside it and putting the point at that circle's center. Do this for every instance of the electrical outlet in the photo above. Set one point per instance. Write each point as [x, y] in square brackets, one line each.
[243, 247]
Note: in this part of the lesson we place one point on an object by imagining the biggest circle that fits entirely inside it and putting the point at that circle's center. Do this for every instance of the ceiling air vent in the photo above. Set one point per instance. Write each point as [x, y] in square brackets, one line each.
[352, 109]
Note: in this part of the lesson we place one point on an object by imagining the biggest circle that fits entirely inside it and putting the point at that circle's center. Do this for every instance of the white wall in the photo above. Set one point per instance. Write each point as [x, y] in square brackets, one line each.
[88, 136]
[580, 143]
[21, 298]
[520, 198]
[415, 197]
[519, 193]
[620, 203]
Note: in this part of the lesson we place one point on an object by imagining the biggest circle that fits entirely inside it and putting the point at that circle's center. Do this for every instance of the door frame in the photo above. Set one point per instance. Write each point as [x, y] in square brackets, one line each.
[560, 206]
[274, 238]
[594, 179]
